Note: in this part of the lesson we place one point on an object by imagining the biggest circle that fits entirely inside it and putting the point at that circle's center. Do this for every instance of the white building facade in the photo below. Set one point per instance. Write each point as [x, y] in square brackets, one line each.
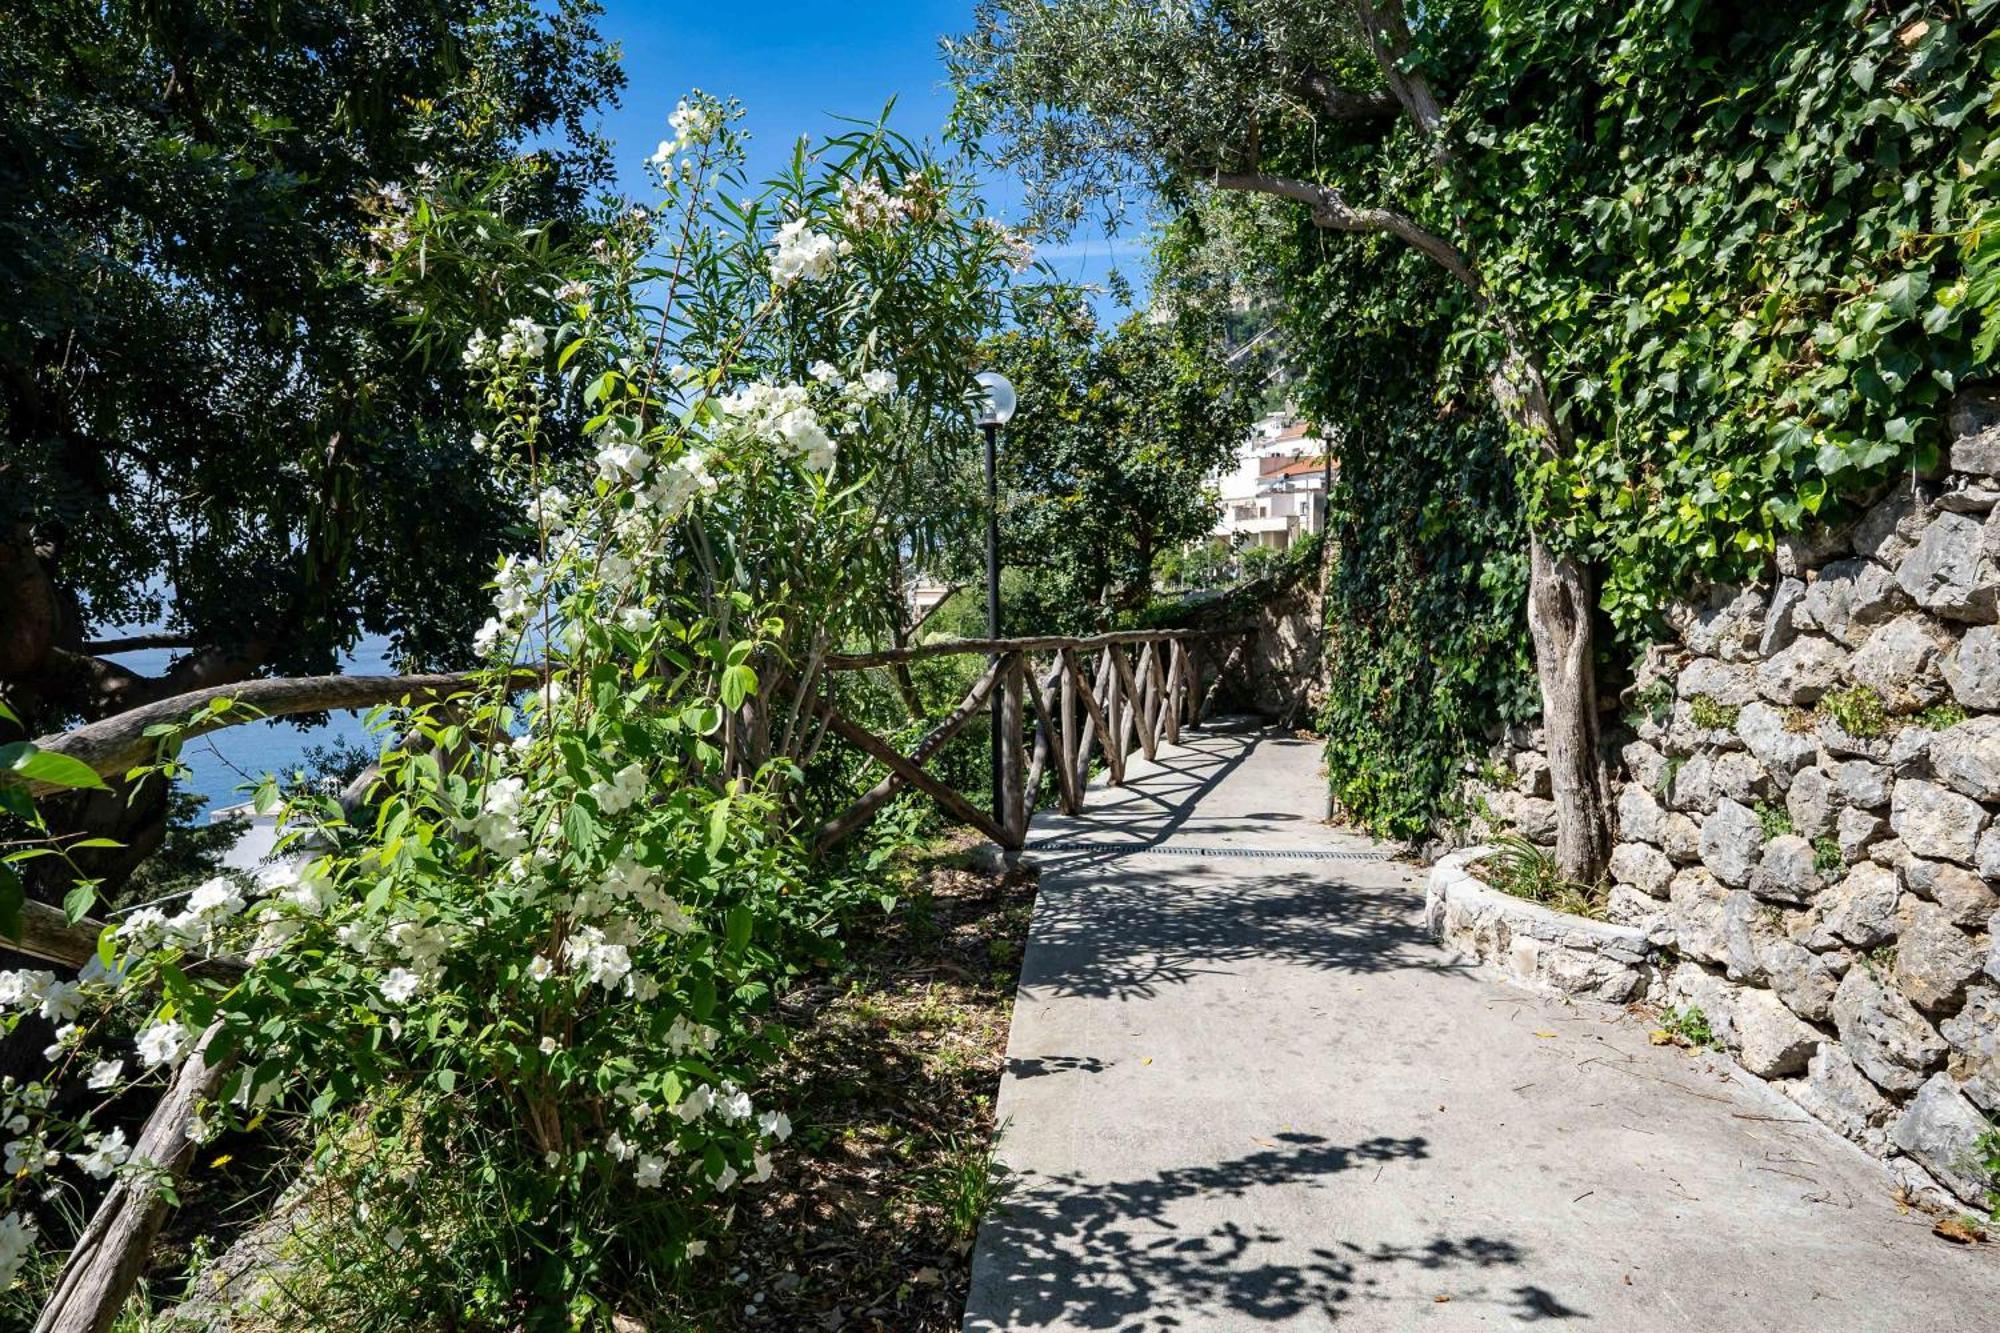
[1276, 493]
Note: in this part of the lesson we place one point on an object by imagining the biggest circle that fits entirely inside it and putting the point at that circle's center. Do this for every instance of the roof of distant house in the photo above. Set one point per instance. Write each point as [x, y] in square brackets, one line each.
[1298, 430]
[1303, 467]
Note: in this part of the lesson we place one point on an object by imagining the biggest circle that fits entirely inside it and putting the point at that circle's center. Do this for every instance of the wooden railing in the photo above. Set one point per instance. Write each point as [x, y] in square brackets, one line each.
[1106, 694]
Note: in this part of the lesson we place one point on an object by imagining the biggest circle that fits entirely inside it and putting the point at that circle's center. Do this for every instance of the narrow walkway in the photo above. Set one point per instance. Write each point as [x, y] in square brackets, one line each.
[1248, 1092]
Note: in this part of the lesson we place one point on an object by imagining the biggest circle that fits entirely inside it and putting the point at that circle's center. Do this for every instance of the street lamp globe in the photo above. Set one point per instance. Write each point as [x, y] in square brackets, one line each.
[995, 400]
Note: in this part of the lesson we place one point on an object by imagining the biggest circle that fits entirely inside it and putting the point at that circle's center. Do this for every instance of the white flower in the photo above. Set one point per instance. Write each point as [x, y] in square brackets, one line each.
[601, 961]
[306, 887]
[143, 931]
[695, 1105]
[550, 509]
[621, 462]
[617, 1146]
[825, 372]
[725, 1178]
[541, 969]
[651, 1167]
[486, 640]
[216, 898]
[879, 383]
[17, 1242]
[163, 1044]
[549, 1046]
[478, 349]
[523, 340]
[799, 252]
[867, 206]
[636, 619]
[697, 1248]
[626, 786]
[26, 1156]
[107, 1153]
[734, 1104]
[776, 1125]
[400, 985]
[104, 1075]
[394, 1239]
[61, 1001]
[762, 1163]
[197, 1129]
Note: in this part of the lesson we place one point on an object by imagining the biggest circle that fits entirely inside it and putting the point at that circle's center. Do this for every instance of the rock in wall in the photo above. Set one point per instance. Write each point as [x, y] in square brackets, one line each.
[1808, 785]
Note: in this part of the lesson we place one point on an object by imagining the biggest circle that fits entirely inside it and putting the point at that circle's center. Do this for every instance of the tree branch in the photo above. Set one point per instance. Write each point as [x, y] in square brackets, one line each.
[119, 743]
[134, 643]
[1331, 210]
[1389, 39]
[1344, 103]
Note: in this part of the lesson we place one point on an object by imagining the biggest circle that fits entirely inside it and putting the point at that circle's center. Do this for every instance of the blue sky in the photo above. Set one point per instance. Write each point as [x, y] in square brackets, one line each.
[795, 67]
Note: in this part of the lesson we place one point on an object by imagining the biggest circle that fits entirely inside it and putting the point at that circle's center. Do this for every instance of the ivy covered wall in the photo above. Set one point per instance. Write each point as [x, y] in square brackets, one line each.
[1756, 250]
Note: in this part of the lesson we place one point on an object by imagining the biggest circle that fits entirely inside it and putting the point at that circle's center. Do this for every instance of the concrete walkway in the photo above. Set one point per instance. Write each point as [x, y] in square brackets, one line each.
[1249, 1092]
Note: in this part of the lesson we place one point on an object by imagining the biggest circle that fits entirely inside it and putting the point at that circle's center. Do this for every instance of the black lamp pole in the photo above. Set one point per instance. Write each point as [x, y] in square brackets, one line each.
[992, 429]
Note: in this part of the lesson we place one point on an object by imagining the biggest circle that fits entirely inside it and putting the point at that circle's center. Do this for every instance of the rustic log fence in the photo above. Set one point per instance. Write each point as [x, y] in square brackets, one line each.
[1105, 694]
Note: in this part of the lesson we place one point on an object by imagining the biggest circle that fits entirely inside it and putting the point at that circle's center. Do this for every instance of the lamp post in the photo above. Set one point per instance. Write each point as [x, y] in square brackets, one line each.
[993, 408]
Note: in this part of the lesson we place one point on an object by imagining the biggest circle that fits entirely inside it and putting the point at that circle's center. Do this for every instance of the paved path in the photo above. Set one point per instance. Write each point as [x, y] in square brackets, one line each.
[1250, 1093]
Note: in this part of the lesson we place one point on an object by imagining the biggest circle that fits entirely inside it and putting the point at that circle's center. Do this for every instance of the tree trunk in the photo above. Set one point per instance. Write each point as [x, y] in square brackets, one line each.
[1559, 618]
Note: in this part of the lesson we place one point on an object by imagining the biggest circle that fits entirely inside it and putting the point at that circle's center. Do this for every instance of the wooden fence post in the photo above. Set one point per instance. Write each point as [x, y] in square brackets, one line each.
[1013, 796]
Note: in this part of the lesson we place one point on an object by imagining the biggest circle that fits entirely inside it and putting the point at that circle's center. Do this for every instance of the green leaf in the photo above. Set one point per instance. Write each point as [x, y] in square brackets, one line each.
[78, 902]
[13, 898]
[23, 760]
[739, 682]
[737, 928]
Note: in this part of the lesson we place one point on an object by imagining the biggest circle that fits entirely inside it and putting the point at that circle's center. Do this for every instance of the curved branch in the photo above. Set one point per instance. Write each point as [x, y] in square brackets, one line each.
[119, 743]
[1344, 103]
[134, 643]
[1331, 211]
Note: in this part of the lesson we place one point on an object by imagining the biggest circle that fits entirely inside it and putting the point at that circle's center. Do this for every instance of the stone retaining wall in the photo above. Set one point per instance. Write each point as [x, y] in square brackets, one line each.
[1808, 783]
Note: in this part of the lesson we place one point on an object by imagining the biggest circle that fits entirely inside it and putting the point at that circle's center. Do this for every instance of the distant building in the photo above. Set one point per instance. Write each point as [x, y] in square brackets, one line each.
[1276, 493]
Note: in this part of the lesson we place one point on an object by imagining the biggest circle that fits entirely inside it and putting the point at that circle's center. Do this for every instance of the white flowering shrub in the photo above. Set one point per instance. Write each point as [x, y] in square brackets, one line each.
[520, 1001]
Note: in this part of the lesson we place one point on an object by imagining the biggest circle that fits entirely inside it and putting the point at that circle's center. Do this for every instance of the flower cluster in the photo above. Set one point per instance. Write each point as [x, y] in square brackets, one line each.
[866, 205]
[522, 340]
[694, 122]
[798, 252]
[1015, 249]
[778, 414]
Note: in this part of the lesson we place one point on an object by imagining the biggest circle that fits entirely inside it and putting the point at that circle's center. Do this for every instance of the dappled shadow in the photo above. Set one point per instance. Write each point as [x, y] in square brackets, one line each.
[1155, 925]
[1111, 1255]
[1042, 1065]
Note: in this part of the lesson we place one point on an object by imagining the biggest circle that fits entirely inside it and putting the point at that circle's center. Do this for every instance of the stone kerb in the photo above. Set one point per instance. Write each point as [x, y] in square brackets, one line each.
[1535, 945]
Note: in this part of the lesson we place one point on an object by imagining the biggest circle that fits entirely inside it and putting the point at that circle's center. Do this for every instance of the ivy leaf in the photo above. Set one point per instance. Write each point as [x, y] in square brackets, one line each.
[1904, 291]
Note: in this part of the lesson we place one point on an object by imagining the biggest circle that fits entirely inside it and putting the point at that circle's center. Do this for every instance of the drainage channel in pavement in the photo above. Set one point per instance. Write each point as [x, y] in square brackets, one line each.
[1252, 853]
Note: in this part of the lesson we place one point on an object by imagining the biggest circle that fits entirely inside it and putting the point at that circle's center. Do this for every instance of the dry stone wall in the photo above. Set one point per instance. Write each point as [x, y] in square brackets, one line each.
[1809, 785]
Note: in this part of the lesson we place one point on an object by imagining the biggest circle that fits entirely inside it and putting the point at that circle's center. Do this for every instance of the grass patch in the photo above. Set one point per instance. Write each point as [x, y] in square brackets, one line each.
[1775, 820]
[1687, 1026]
[1939, 717]
[1858, 712]
[1827, 856]
[1518, 867]
[1709, 715]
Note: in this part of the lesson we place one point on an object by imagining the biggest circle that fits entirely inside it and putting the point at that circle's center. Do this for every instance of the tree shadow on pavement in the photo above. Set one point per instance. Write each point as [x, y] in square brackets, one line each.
[1062, 1251]
[1127, 937]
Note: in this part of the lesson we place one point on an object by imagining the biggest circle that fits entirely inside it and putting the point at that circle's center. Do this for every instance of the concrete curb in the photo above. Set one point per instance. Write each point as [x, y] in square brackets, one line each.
[1532, 945]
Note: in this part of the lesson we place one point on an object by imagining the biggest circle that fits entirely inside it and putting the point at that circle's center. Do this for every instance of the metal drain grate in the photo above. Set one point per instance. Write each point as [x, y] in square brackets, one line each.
[1249, 853]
